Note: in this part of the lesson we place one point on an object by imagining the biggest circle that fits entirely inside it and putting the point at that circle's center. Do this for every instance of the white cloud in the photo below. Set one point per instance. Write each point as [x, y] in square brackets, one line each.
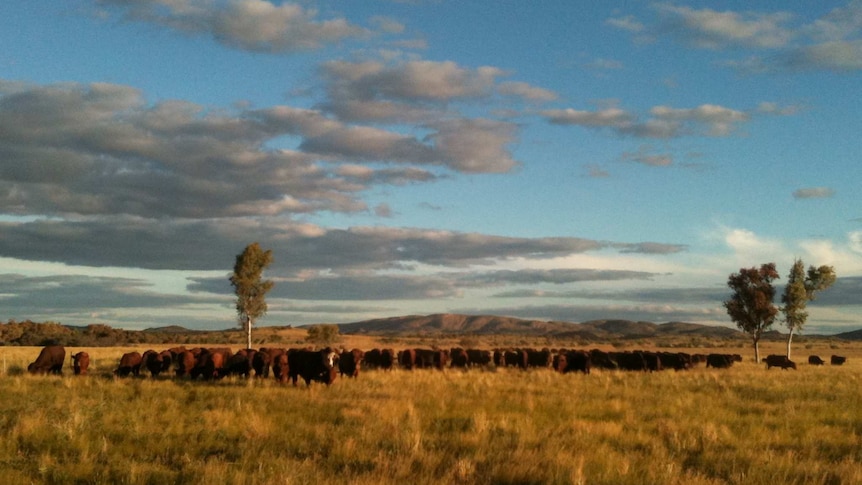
[813, 193]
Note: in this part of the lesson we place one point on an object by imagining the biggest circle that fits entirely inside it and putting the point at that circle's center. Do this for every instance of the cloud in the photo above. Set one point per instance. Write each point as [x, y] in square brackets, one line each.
[212, 244]
[813, 193]
[707, 28]
[99, 149]
[252, 25]
[664, 121]
[830, 43]
[583, 313]
[414, 90]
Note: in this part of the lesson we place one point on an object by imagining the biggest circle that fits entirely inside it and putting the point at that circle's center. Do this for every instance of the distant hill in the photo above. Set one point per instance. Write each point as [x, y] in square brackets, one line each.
[448, 323]
[169, 329]
[854, 335]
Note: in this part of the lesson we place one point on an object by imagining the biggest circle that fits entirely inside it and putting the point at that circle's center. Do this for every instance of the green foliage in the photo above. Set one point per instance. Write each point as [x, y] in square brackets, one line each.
[250, 289]
[751, 305]
[323, 334]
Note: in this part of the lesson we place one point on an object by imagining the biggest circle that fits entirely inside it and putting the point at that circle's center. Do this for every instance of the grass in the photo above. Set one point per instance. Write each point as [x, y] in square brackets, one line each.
[742, 425]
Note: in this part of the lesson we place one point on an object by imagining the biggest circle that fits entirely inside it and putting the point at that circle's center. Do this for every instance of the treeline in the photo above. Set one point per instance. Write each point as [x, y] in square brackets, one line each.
[29, 333]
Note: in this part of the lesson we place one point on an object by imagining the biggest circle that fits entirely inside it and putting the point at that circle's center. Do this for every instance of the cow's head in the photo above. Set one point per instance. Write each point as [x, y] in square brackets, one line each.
[330, 358]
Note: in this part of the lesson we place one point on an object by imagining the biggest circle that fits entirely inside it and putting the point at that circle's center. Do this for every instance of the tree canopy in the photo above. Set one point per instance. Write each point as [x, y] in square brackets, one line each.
[801, 288]
[249, 286]
[751, 305]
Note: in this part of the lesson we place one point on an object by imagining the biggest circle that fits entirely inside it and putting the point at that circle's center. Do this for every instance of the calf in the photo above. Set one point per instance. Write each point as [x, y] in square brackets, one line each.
[815, 360]
[838, 360]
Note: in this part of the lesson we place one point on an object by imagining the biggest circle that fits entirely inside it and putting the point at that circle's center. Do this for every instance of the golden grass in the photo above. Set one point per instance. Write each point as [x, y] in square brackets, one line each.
[743, 425]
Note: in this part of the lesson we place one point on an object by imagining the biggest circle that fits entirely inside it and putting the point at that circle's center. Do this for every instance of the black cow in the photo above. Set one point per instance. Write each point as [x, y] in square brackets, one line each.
[779, 361]
[407, 359]
[350, 361]
[573, 361]
[602, 360]
[815, 360]
[156, 362]
[240, 363]
[313, 365]
[50, 360]
[838, 360]
[479, 357]
[459, 358]
[719, 361]
[630, 360]
[675, 360]
[539, 358]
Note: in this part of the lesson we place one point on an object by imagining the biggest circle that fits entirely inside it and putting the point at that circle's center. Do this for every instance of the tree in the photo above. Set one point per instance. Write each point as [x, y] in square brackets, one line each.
[801, 288]
[322, 334]
[751, 306]
[249, 288]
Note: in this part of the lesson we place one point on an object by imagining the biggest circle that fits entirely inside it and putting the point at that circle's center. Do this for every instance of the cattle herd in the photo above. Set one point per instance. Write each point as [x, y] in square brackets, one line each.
[326, 364]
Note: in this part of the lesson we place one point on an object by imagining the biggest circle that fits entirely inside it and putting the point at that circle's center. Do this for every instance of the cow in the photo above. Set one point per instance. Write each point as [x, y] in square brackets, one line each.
[350, 361]
[515, 358]
[675, 360]
[630, 360]
[50, 360]
[281, 367]
[130, 363]
[478, 357]
[573, 361]
[719, 361]
[156, 362]
[240, 363]
[459, 358]
[185, 362]
[80, 363]
[407, 358]
[837, 360]
[602, 360]
[313, 365]
[212, 364]
[779, 361]
[539, 358]
[815, 360]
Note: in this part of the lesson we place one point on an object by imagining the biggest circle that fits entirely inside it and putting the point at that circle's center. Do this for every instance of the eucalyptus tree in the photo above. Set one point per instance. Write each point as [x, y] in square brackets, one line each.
[801, 288]
[249, 286]
[751, 305]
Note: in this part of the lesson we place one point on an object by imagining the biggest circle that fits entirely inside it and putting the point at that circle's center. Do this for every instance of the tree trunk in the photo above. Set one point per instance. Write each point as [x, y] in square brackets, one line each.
[757, 350]
[248, 333]
[789, 339]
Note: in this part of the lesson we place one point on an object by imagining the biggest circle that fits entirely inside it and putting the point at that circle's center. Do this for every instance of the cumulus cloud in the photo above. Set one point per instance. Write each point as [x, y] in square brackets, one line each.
[711, 29]
[101, 149]
[253, 25]
[830, 43]
[813, 193]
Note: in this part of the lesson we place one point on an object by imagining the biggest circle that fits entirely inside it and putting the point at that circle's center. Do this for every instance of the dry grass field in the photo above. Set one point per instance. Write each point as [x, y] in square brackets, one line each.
[743, 425]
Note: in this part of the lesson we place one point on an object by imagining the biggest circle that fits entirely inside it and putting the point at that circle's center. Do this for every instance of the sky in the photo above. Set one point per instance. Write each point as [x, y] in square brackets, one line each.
[549, 160]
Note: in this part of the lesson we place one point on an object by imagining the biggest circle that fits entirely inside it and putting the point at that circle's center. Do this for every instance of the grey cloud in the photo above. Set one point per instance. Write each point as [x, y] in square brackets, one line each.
[213, 244]
[253, 25]
[24, 297]
[100, 149]
[556, 276]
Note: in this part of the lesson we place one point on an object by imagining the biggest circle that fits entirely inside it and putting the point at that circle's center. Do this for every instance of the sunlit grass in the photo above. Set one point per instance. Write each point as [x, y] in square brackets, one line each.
[742, 425]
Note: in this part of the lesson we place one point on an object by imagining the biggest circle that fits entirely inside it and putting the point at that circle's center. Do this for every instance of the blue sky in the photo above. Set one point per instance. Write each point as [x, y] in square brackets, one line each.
[548, 160]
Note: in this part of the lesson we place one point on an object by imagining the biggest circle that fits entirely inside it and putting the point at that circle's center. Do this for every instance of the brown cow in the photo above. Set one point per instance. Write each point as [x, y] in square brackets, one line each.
[281, 367]
[185, 363]
[50, 360]
[130, 363]
[80, 363]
